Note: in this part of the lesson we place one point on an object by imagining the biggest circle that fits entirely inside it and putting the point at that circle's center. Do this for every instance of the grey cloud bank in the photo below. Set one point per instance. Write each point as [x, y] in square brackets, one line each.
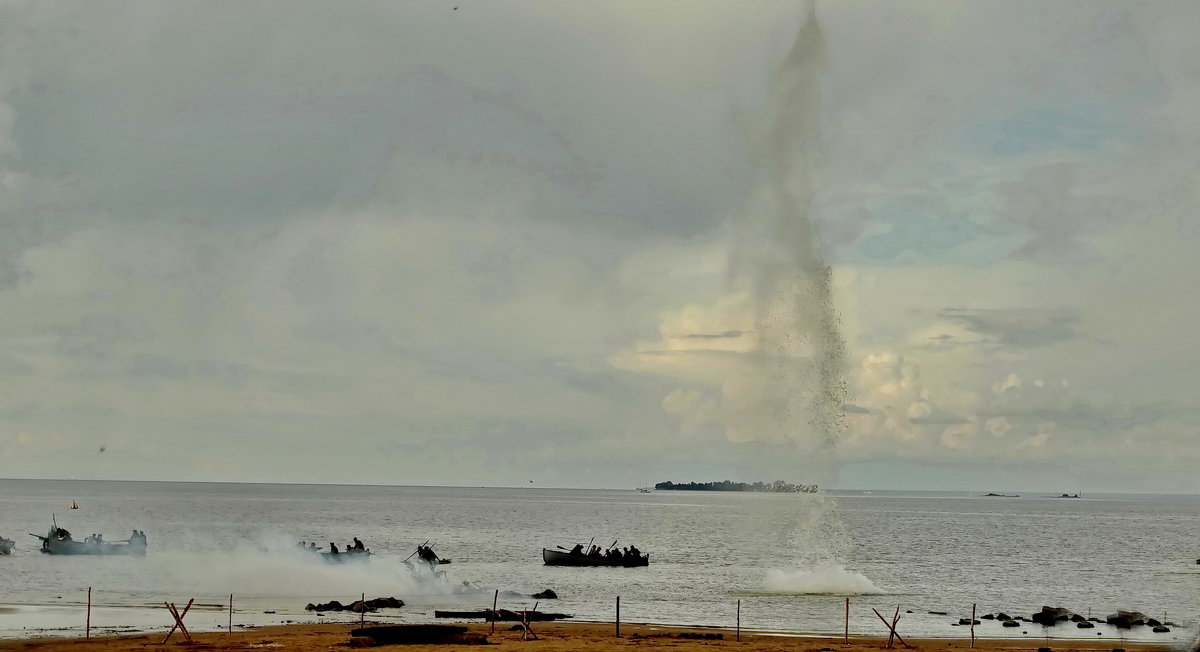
[405, 244]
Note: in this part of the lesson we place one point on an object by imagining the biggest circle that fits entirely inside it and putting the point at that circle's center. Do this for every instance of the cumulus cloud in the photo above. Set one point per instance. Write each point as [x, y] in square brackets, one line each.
[405, 226]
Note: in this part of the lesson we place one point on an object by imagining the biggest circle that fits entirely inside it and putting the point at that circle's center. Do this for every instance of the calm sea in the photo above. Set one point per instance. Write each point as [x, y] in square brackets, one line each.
[923, 552]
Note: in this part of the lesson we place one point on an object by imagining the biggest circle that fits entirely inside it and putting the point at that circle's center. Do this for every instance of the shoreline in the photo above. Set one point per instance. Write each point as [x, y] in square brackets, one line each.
[562, 637]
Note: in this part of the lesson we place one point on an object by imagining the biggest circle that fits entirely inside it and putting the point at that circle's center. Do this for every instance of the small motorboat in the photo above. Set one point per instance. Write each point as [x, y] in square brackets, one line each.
[58, 541]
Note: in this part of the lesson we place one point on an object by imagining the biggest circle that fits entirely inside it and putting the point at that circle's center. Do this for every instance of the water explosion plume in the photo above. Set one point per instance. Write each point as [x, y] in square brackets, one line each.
[798, 370]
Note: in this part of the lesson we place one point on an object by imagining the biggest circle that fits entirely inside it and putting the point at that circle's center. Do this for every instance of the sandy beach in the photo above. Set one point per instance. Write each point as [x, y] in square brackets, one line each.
[553, 637]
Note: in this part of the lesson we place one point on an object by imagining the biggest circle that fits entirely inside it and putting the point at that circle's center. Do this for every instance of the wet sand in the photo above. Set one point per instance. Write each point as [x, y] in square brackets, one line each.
[553, 637]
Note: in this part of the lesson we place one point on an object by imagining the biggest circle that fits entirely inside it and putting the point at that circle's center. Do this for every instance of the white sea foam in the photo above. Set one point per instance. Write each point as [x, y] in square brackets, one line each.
[268, 569]
[827, 580]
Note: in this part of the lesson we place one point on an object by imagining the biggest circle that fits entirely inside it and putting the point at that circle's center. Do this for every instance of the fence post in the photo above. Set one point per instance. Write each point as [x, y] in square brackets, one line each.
[972, 624]
[229, 632]
[495, 597]
[87, 631]
[739, 620]
[618, 616]
[846, 632]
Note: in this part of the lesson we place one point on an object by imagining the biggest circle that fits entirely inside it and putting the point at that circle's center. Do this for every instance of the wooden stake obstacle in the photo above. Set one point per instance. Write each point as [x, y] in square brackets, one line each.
[178, 621]
[892, 627]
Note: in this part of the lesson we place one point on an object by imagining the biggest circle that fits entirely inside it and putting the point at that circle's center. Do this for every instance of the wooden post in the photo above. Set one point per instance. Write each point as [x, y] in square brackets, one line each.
[895, 617]
[972, 624]
[739, 620]
[230, 630]
[87, 631]
[618, 616]
[362, 610]
[846, 632]
[495, 597]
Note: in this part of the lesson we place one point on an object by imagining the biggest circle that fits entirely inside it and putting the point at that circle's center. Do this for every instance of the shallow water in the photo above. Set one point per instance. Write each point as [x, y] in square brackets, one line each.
[925, 552]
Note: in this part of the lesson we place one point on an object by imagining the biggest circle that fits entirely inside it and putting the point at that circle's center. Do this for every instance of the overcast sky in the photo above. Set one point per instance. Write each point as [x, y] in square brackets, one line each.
[484, 243]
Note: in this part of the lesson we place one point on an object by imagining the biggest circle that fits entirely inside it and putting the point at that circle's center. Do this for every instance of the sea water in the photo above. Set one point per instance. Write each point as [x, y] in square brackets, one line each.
[922, 552]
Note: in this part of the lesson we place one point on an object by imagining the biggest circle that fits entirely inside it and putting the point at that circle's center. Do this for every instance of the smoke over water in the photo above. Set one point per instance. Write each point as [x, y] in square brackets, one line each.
[798, 383]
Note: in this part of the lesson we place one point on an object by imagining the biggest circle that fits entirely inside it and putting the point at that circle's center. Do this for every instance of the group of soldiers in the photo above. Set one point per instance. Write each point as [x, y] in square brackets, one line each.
[612, 553]
[311, 546]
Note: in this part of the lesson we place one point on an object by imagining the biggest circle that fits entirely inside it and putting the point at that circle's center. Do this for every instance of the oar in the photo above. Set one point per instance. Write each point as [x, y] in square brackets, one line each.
[613, 543]
[415, 552]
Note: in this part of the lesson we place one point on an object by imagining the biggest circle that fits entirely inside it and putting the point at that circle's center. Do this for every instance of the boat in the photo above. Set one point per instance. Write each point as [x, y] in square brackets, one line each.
[559, 558]
[6, 546]
[350, 555]
[58, 541]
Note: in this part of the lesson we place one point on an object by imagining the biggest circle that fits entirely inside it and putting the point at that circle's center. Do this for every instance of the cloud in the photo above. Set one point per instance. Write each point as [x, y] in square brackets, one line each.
[1018, 328]
[473, 245]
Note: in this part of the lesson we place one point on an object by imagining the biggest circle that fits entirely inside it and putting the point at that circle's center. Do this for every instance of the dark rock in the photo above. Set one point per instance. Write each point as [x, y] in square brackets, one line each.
[1050, 616]
[989, 617]
[938, 613]
[1126, 619]
[1084, 625]
[1044, 649]
[1003, 616]
[908, 611]
[1161, 630]
[500, 615]
[706, 636]
[1011, 623]
[358, 606]
[548, 594]
[1150, 622]
[1076, 618]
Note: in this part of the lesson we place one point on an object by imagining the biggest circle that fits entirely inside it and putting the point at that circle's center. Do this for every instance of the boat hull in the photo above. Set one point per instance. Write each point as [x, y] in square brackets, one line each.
[344, 557]
[558, 558]
[70, 547]
[59, 542]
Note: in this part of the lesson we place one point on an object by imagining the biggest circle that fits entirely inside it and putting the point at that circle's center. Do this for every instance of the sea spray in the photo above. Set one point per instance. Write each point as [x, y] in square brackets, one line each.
[825, 580]
[798, 385]
[270, 565]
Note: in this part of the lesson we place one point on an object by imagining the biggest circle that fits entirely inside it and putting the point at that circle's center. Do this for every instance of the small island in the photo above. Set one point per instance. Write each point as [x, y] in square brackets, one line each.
[778, 486]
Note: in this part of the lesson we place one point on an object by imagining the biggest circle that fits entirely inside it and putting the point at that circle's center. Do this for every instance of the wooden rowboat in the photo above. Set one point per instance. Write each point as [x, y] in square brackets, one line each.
[558, 558]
